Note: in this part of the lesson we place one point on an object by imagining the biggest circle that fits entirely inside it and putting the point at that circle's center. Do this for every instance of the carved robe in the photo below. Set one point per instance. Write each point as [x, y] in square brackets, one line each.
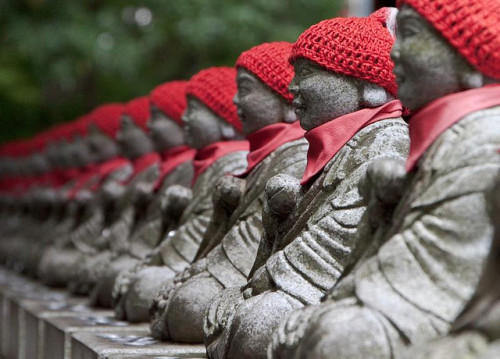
[309, 258]
[178, 248]
[419, 271]
[230, 262]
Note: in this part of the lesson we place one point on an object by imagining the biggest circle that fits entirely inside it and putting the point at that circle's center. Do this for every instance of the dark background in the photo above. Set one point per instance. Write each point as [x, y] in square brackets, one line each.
[61, 58]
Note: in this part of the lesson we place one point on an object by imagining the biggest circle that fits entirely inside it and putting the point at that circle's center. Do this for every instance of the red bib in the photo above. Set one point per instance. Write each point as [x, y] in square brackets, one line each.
[207, 155]
[264, 141]
[144, 162]
[432, 120]
[326, 140]
[173, 158]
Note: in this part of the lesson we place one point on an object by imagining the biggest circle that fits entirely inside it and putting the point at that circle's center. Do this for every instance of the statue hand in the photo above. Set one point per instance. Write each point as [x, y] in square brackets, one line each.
[143, 194]
[174, 201]
[384, 181]
[282, 194]
[228, 192]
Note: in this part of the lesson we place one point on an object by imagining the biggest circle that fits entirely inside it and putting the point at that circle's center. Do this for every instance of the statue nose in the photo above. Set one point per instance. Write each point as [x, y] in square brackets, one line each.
[395, 52]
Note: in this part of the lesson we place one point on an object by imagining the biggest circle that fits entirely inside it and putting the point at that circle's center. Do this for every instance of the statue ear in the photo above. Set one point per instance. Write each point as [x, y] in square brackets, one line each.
[470, 78]
[374, 95]
[289, 115]
[228, 132]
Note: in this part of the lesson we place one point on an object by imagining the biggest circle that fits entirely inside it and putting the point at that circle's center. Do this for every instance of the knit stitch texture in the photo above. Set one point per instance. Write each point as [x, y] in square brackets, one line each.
[269, 62]
[358, 47]
[170, 97]
[471, 26]
[216, 87]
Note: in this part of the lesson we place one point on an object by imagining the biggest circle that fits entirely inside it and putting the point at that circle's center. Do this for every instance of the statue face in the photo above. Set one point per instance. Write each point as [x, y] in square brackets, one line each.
[165, 132]
[201, 125]
[132, 140]
[258, 105]
[426, 66]
[101, 146]
[321, 95]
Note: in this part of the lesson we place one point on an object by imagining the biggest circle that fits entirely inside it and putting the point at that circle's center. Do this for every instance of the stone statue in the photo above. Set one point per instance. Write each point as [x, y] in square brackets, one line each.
[213, 128]
[352, 120]
[119, 214]
[176, 168]
[68, 249]
[476, 332]
[230, 244]
[412, 275]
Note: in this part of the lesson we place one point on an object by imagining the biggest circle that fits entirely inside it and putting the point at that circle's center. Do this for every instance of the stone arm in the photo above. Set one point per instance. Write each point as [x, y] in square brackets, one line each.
[281, 196]
[422, 275]
[226, 197]
[482, 312]
[175, 200]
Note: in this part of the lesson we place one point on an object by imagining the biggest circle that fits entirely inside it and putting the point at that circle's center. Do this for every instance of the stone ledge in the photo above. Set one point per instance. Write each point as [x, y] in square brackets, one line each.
[134, 344]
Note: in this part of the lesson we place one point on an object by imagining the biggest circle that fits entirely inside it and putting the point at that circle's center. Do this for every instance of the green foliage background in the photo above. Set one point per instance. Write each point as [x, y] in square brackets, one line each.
[61, 58]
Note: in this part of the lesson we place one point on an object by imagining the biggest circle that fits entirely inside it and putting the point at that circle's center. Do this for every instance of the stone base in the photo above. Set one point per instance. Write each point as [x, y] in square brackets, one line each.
[136, 344]
[15, 290]
[58, 330]
[32, 324]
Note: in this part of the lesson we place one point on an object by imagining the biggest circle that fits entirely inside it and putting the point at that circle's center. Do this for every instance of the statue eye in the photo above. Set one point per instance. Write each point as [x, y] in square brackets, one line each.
[243, 90]
[409, 29]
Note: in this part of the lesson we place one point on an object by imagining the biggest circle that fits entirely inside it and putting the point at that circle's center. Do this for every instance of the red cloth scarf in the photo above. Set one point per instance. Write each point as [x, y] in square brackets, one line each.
[326, 140]
[264, 141]
[61, 176]
[171, 159]
[104, 169]
[207, 155]
[144, 162]
[432, 120]
[86, 175]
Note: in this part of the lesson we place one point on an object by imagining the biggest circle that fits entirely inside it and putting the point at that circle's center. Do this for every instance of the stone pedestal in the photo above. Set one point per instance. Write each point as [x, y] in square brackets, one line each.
[32, 325]
[58, 330]
[14, 294]
[115, 344]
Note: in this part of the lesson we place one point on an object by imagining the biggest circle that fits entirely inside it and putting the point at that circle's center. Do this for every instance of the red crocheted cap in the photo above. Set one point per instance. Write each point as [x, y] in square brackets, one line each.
[216, 87]
[108, 117]
[269, 62]
[358, 47]
[140, 111]
[170, 97]
[471, 26]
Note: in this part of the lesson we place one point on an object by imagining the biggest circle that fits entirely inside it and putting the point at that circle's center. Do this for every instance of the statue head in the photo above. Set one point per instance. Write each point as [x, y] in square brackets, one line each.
[103, 126]
[132, 138]
[168, 102]
[343, 65]
[165, 132]
[80, 155]
[101, 147]
[210, 115]
[263, 76]
[432, 63]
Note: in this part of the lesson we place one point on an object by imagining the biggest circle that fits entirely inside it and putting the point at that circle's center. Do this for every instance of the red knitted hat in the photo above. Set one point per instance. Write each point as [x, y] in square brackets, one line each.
[358, 47]
[216, 87]
[269, 62]
[108, 117]
[170, 97]
[140, 111]
[471, 26]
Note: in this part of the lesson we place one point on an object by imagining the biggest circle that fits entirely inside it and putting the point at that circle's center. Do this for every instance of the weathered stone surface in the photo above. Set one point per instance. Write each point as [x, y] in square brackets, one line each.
[417, 273]
[178, 248]
[229, 263]
[58, 330]
[138, 343]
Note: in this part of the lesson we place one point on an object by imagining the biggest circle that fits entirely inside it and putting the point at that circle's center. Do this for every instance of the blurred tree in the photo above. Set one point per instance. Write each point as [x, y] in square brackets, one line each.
[60, 59]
